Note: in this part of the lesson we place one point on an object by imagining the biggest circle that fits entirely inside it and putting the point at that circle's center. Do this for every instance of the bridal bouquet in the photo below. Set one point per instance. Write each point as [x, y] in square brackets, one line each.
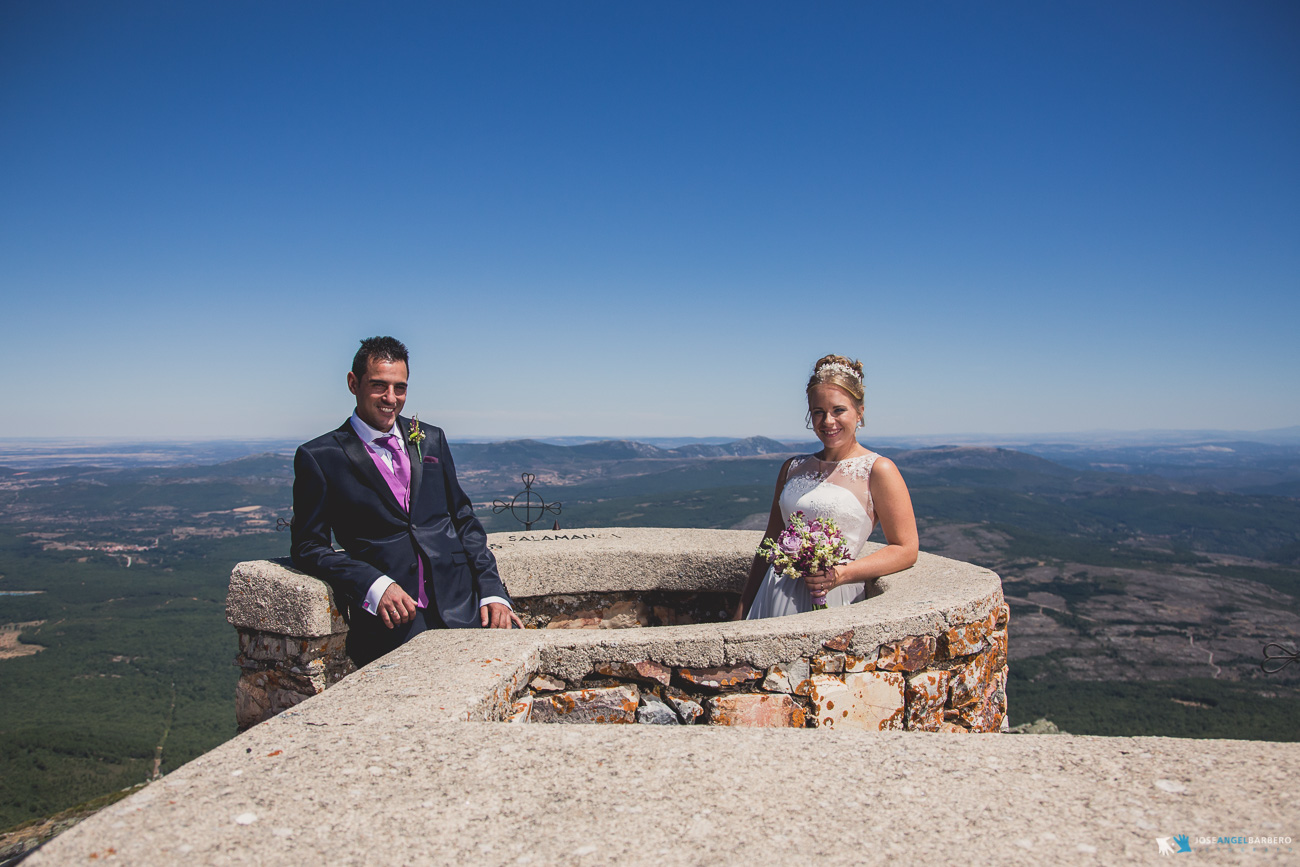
[805, 548]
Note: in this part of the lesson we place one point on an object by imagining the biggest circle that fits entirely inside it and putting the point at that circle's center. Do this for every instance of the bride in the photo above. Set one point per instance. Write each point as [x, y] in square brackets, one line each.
[844, 481]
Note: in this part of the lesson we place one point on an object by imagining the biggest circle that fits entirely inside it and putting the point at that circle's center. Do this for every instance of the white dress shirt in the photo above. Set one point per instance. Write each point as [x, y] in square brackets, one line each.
[369, 436]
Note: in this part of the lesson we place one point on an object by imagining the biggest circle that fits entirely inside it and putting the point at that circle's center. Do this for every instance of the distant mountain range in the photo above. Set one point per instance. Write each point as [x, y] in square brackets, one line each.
[618, 450]
[1282, 436]
[1240, 466]
[497, 466]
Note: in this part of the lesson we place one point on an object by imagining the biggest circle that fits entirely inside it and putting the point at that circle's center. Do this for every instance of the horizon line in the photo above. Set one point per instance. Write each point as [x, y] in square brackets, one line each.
[1291, 430]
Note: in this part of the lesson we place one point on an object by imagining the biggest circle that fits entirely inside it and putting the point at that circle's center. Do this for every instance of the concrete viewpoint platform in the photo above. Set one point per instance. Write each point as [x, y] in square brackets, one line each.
[384, 769]
[403, 763]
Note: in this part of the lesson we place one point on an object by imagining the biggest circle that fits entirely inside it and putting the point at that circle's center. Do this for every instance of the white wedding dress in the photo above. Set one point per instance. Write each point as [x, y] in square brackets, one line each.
[821, 489]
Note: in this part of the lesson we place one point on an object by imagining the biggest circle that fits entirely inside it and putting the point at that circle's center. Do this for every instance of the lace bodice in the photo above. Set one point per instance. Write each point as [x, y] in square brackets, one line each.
[839, 490]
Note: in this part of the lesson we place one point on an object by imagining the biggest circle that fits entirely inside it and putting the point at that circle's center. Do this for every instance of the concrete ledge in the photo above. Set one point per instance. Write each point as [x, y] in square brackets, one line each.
[323, 783]
[606, 559]
[281, 613]
[927, 599]
[272, 596]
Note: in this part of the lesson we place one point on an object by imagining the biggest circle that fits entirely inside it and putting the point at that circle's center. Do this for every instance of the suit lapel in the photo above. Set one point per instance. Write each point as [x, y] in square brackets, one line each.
[414, 454]
[356, 451]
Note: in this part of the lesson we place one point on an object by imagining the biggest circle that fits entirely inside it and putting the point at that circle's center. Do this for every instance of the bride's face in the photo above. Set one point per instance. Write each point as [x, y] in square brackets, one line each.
[834, 415]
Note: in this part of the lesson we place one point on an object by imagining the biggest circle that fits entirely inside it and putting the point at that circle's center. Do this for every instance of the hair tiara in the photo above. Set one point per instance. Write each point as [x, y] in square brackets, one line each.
[837, 367]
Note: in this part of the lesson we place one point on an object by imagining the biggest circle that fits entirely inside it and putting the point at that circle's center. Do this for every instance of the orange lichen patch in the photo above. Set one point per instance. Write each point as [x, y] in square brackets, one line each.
[987, 714]
[966, 639]
[520, 710]
[645, 671]
[1001, 616]
[858, 663]
[756, 710]
[589, 619]
[839, 643]
[998, 647]
[871, 701]
[547, 683]
[778, 679]
[612, 704]
[911, 654]
[924, 695]
[827, 663]
[971, 681]
[624, 614]
[718, 678]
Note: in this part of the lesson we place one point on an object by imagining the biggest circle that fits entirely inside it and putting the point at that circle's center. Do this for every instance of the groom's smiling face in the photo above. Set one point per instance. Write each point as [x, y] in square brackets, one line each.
[381, 393]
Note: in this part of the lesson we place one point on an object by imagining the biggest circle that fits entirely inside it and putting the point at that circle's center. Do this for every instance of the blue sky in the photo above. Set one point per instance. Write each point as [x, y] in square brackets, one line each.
[649, 219]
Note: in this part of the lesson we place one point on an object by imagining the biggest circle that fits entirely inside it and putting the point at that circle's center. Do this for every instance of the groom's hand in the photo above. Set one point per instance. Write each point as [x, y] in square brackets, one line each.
[494, 615]
[396, 606]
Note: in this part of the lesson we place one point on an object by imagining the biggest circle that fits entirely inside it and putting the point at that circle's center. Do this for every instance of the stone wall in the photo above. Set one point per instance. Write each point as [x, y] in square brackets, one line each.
[953, 682]
[291, 638]
[948, 675]
[292, 633]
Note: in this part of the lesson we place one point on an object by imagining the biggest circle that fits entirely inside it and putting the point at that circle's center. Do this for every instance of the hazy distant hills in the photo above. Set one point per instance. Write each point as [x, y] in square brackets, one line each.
[1224, 465]
[611, 450]
[1156, 437]
[1229, 466]
[746, 448]
[943, 458]
[498, 466]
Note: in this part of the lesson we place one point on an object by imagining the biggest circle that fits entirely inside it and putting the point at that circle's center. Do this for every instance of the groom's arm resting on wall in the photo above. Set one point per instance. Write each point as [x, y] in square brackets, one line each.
[311, 549]
[495, 610]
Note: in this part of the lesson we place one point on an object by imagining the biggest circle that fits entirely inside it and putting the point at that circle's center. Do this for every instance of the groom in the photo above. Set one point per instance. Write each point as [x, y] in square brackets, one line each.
[414, 556]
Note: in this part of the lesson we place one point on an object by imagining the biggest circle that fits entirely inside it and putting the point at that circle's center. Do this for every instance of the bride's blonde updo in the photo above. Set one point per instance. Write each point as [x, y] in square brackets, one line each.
[840, 372]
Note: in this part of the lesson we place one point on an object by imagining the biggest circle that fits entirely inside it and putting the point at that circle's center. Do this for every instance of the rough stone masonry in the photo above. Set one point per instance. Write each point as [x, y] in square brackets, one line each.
[949, 677]
[956, 683]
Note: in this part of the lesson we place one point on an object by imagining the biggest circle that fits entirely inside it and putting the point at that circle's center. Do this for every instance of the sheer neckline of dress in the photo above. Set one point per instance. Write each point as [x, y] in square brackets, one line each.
[866, 454]
[857, 467]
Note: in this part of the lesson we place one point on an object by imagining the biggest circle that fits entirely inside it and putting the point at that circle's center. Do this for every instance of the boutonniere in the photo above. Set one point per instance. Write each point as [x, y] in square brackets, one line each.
[416, 436]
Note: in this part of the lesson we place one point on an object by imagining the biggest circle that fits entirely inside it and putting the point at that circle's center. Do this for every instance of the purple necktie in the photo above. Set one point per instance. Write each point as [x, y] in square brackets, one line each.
[401, 465]
[399, 482]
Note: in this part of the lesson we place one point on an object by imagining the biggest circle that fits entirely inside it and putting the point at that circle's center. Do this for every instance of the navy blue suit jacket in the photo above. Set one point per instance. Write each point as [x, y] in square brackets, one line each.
[337, 488]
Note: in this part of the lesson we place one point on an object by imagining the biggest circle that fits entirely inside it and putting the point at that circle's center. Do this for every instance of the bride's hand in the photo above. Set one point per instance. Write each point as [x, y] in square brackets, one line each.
[821, 583]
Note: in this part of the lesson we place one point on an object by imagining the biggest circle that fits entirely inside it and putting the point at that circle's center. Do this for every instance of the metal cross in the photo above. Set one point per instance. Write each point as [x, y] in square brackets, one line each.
[1277, 657]
[527, 501]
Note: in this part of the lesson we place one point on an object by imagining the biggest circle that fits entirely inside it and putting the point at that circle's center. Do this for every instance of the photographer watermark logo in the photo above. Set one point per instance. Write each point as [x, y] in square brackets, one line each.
[1181, 843]
[1167, 845]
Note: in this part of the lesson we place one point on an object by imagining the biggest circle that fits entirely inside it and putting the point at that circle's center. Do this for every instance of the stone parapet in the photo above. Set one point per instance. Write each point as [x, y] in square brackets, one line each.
[933, 637]
[619, 559]
[271, 596]
[291, 638]
[292, 631]
[914, 683]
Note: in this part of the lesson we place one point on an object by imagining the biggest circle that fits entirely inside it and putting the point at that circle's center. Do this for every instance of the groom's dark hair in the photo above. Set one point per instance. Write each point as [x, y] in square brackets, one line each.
[378, 349]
